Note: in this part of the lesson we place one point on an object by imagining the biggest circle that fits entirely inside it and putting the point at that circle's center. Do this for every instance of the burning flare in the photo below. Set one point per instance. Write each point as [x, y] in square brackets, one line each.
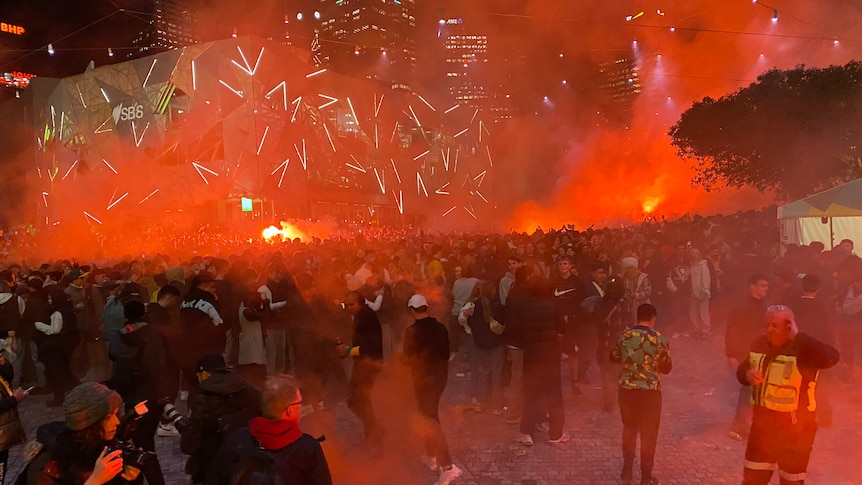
[287, 232]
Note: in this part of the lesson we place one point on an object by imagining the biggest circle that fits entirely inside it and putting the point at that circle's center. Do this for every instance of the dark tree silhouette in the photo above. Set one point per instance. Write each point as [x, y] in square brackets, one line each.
[791, 132]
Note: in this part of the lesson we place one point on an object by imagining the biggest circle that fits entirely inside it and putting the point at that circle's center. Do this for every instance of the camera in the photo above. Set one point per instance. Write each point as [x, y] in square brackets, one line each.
[131, 455]
[170, 415]
[615, 288]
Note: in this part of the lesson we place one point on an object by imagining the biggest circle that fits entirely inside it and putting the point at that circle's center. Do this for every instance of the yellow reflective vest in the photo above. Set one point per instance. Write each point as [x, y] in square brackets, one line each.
[782, 383]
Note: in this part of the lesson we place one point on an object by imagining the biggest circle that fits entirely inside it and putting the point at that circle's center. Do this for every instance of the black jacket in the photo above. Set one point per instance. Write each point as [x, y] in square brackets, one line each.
[147, 370]
[541, 325]
[514, 315]
[159, 316]
[745, 323]
[37, 309]
[367, 334]
[812, 317]
[299, 463]
[286, 290]
[223, 396]
[568, 292]
[198, 328]
[483, 337]
[62, 460]
[426, 349]
[10, 318]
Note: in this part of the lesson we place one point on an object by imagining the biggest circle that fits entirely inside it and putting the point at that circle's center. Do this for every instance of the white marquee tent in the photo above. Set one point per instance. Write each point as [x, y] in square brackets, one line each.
[828, 217]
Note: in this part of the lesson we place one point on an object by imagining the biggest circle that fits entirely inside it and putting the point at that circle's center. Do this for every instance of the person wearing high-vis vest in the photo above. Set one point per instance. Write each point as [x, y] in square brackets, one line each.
[782, 369]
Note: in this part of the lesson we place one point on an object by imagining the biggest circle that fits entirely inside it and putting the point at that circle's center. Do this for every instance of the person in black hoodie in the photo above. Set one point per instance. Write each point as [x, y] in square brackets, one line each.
[159, 314]
[591, 319]
[36, 309]
[285, 304]
[273, 448]
[367, 352]
[57, 337]
[426, 352]
[542, 331]
[145, 381]
[201, 326]
[514, 336]
[223, 397]
[568, 290]
[744, 325]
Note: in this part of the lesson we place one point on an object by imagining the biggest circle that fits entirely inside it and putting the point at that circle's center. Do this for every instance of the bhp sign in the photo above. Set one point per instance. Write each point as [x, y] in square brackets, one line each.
[11, 29]
[127, 113]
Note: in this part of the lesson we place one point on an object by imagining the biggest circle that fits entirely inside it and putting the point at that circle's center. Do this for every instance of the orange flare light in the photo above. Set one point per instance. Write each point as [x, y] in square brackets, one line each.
[650, 204]
[286, 232]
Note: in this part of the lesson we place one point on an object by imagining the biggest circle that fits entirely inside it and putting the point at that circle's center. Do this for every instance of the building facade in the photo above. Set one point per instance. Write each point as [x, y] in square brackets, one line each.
[206, 125]
[465, 57]
[373, 39]
[168, 24]
[621, 86]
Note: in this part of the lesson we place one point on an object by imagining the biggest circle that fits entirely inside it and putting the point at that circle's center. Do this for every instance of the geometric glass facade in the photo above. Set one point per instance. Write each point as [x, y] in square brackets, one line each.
[248, 117]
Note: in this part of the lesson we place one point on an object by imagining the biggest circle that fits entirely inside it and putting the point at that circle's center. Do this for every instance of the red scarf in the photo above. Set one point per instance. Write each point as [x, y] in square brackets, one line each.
[274, 434]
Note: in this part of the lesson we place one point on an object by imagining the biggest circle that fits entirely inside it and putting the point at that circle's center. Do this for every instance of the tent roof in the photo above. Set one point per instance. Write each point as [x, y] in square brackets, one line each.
[842, 201]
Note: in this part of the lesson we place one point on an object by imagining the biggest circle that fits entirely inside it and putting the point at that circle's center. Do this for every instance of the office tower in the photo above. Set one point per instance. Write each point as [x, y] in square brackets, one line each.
[170, 25]
[370, 38]
[620, 85]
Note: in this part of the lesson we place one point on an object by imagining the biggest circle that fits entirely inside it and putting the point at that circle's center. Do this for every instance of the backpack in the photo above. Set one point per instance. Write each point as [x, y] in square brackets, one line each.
[264, 467]
[46, 439]
[259, 468]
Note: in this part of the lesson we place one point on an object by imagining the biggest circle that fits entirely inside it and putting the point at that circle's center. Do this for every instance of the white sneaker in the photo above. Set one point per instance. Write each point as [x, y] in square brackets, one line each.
[524, 439]
[429, 461]
[167, 431]
[448, 475]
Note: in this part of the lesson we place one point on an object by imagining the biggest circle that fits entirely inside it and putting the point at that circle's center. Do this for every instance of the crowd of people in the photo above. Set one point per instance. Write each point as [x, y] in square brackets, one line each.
[256, 337]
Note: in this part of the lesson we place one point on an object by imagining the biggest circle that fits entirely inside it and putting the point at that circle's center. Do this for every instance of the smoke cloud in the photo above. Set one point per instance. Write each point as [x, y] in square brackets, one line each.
[589, 172]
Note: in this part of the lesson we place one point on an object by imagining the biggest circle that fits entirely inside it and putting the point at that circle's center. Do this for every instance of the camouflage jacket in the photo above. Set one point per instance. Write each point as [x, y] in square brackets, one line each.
[644, 355]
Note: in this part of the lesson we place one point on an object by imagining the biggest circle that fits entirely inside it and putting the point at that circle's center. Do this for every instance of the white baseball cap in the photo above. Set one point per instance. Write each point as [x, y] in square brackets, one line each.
[417, 301]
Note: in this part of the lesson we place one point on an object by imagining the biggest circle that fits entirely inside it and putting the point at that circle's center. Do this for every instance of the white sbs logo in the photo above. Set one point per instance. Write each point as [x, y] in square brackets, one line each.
[127, 113]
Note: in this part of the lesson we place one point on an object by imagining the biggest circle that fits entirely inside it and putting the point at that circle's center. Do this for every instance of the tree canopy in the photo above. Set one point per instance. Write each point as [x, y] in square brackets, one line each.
[792, 132]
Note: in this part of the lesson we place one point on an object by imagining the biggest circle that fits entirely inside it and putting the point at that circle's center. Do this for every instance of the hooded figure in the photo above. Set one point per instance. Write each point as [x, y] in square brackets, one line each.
[201, 327]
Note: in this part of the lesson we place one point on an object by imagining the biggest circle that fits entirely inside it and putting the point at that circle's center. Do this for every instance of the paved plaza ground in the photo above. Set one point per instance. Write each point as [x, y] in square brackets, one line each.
[699, 397]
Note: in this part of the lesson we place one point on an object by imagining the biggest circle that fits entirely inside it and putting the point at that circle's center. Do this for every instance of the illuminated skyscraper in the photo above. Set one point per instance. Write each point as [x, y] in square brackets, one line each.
[370, 38]
[620, 85]
[472, 79]
[465, 54]
[171, 25]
